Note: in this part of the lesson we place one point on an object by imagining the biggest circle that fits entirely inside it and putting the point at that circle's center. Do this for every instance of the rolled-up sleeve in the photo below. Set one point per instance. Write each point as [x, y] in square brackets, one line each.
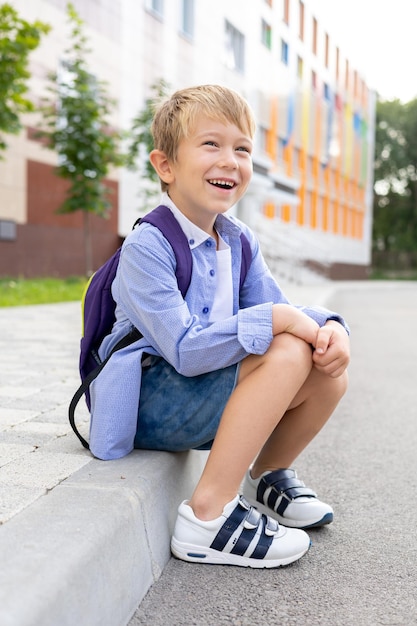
[255, 328]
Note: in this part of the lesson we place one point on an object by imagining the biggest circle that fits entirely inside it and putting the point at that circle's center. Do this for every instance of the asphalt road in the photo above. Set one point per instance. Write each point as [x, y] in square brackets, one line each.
[362, 569]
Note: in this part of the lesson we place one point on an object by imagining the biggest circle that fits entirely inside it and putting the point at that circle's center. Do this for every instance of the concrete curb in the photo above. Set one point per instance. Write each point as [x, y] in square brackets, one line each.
[88, 552]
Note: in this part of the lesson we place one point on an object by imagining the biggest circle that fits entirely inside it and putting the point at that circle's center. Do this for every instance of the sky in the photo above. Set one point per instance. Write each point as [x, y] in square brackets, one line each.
[379, 37]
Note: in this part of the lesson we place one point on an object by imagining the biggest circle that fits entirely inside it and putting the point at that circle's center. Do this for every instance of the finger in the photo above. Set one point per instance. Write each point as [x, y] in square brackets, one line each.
[322, 340]
[333, 367]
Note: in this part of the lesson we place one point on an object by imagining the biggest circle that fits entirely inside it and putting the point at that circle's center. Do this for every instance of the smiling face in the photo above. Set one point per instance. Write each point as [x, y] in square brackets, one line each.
[211, 171]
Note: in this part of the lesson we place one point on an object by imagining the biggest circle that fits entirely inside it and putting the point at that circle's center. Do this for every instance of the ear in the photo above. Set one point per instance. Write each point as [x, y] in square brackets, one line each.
[162, 166]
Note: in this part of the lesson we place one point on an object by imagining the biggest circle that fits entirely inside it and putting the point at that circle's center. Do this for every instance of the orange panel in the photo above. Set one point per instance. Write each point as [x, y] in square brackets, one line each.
[286, 212]
[269, 210]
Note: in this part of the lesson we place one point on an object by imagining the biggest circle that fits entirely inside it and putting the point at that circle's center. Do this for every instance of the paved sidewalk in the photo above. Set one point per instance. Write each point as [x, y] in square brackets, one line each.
[81, 540]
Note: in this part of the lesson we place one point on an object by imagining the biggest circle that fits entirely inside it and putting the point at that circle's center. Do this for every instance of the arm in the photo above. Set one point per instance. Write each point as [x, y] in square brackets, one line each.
[288, 319]
[261, 286]
[323, 329]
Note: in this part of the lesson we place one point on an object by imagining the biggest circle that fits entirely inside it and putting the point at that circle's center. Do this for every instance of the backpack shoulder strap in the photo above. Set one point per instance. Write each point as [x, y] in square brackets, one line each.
[163, 218]
[246, 258]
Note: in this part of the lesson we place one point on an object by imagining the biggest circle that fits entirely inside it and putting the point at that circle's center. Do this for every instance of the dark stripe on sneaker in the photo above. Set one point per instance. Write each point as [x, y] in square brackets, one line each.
[282, 484]
[253, 518]
[264, 542]
[231, 524]
[244, 540]
[272, 499]
[260, 492]
[253, 524]
[282, 506]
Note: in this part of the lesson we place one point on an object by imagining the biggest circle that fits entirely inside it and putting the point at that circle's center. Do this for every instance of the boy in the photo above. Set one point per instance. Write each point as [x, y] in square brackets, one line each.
[237, 370]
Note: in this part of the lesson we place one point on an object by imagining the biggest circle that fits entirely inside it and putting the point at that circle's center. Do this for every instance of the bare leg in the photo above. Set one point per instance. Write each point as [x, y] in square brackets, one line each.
[305, 417]
[282, 382]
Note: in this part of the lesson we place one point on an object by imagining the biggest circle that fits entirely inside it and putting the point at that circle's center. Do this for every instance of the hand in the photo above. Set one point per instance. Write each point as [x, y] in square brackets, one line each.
[332, 353]
[288, 319]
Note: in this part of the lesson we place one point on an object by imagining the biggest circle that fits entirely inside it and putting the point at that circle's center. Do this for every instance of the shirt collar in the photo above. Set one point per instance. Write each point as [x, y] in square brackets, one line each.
[194, 234]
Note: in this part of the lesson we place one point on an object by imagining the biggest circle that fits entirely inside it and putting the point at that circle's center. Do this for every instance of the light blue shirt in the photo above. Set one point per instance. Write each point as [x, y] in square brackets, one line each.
[147, 296]
[223, 304]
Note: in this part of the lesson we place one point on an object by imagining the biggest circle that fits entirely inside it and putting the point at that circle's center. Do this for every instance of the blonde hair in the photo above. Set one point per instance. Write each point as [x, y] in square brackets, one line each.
[175, 118]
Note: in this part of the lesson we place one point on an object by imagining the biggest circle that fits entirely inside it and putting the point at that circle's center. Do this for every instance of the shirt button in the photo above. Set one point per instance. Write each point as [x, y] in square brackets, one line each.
[191, 241]
[205, 310]
[212, 272]
[208, 243]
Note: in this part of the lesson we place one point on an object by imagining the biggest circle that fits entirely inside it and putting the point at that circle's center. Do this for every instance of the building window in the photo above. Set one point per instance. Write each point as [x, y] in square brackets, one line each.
[284, 52]
[286, 15]
[235, 48]
[8, 230]
[355, 83]
[187, 18]
[299, 67]
[326, 91]
[296, 160]
[326, 50]
[315, 28]
[337, 63]
[313, 80]
[280, 149]
[266, 34]
[263, 138]
[156, 6]
[301, 20]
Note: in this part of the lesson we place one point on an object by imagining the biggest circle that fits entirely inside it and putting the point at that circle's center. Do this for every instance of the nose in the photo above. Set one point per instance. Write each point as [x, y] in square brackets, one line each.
[228, 159]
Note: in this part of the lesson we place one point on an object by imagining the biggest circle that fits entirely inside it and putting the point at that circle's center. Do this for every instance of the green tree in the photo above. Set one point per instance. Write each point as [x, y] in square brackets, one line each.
[140, 142]
[76, 125]
[410, 133]
[17, 39]
[395, 174]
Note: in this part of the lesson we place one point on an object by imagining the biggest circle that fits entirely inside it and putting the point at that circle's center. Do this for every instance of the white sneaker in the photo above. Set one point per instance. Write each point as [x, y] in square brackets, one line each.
[240, 536]
[282, 496]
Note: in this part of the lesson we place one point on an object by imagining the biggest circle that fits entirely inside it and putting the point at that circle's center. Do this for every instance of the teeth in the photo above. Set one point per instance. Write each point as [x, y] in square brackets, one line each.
[223, 183]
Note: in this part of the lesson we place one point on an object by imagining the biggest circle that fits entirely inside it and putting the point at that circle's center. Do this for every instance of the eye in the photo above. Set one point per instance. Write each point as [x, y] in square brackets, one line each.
[244, 149]
[210, 143]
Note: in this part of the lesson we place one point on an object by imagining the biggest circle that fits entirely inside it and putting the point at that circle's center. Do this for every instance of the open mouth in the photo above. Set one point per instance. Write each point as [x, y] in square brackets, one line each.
[222, 184]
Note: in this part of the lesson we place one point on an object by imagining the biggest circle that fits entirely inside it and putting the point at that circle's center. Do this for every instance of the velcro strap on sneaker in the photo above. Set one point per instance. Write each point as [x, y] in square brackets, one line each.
[282, 482]
[252, 523]
[237, 516]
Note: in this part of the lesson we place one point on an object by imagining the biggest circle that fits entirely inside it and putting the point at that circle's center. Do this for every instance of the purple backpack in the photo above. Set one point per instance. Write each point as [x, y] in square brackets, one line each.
[99, 306]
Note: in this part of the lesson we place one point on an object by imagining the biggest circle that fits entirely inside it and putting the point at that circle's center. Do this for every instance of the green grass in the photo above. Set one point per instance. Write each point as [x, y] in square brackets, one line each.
[390, 274]
[21, 291]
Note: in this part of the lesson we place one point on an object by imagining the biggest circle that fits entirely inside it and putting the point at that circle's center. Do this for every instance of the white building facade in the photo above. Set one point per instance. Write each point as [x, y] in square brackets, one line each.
[310, 200]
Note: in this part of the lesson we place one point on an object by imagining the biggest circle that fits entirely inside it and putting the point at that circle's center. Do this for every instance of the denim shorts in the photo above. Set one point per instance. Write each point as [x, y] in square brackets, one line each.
[179, 413]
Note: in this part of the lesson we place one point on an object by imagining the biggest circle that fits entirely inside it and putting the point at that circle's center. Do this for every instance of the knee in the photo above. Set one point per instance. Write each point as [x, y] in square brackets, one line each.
[342, 383]
[288, 350]
[334, 387]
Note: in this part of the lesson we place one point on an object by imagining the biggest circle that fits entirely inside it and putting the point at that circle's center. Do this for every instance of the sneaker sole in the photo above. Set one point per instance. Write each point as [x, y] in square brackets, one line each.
[197, 554]
[302, 524]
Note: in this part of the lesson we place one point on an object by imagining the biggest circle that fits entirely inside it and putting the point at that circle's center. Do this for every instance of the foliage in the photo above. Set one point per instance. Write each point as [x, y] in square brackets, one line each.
[140, 141]
[19, 291]
[395, 198]
[76, 125]
[18, 38]
[140, 136]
